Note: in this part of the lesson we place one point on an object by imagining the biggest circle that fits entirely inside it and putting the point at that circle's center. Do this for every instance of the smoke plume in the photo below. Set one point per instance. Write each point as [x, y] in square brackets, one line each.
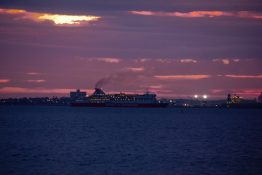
[124, 78]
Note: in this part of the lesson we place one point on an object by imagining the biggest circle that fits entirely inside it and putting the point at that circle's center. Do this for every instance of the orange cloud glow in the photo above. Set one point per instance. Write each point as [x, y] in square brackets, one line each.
[22, 90]
[109, 60]
[163, 60]
[200, 14]
[188, 61]
[33, 73]
[57, 19]
[4, 80]
[10, 90]
[136, 69]
[244, 76]
[224, 61]
[181, 77]
[249, 92]
[142, 60]
[36, 81]
[103, 59]
[155, 87]
[197, 14]
[242, 92]
[106, 60]
[236, 60]
[215, 91]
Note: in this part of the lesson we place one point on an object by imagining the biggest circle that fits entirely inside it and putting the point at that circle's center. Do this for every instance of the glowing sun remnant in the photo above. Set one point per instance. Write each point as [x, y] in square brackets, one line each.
[57, 19]
[67, 19]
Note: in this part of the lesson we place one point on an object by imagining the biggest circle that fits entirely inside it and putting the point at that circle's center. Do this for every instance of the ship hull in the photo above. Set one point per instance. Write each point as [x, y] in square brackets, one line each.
[129, 105]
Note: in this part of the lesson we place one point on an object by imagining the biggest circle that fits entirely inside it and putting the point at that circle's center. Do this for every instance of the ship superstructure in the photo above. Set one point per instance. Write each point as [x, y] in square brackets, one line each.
[100, 99]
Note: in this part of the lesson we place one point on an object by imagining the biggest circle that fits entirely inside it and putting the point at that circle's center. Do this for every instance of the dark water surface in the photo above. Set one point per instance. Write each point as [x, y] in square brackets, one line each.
[65, 140]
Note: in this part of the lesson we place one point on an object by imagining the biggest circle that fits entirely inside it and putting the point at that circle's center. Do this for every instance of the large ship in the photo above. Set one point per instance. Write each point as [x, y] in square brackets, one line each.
[100, 99]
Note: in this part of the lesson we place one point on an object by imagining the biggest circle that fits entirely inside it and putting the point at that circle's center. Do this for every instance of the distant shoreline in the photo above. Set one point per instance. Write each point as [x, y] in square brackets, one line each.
[174, 103]
[253, 106]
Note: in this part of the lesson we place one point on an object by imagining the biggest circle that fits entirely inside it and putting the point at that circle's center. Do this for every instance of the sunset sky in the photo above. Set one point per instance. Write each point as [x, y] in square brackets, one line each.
[173, 48]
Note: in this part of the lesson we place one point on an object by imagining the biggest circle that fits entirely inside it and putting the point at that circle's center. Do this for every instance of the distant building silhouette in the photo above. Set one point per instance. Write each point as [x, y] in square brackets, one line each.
[77, 95]
[259, 98]
[229, 100]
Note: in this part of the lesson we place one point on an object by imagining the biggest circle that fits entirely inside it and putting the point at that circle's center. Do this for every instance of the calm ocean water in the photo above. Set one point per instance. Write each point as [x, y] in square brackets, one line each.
[66, 140]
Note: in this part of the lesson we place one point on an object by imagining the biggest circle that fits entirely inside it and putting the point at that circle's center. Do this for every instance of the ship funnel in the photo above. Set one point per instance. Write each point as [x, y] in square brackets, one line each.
[99, 91]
